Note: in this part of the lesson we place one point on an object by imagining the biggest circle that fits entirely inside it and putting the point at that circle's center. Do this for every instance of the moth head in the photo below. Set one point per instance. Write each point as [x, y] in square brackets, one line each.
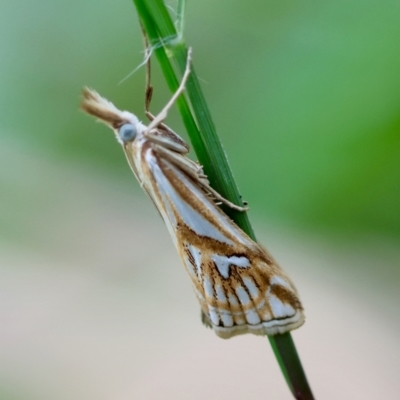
[124, 124]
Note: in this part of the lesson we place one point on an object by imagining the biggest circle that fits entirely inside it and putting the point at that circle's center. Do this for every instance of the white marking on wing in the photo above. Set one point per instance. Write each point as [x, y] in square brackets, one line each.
[252, 317]
[220, 294]
[197, 223]
[214, 316]
[227, 319]
[207, 203]
[159, 197]
[223, 263]
[191, 217]
[277, 280]
[251, 286]
[279, 309]
[233, 300]
[242, 295]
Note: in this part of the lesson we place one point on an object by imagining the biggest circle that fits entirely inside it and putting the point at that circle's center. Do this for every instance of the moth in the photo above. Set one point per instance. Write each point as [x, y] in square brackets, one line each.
[240, 287]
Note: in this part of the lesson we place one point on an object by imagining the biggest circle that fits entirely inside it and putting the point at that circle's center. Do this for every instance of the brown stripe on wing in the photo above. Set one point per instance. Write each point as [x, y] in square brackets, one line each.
[286, 296]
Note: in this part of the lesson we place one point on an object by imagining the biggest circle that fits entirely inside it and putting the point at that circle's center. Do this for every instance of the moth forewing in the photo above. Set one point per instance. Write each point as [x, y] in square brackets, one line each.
[239, 286]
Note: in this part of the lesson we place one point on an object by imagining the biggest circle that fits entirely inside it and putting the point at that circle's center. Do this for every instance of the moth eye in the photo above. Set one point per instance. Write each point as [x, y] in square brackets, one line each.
[127, 132]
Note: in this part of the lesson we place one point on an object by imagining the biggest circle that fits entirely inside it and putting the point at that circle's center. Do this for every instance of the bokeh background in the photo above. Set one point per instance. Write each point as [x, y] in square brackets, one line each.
[94, 303]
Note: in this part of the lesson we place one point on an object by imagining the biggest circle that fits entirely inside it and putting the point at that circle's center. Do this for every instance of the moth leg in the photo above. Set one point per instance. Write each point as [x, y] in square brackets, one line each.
[164, 112]
[217, 196]
[195, 171]
[165, 130]
[168, 140]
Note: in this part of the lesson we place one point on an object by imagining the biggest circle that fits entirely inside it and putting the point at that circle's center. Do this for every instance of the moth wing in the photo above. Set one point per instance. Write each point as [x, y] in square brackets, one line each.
[239, 286]
[241, 293]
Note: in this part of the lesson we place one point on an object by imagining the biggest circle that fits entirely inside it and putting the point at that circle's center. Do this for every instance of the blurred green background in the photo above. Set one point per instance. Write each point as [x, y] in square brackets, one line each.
[305, 96]
[306, 99]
